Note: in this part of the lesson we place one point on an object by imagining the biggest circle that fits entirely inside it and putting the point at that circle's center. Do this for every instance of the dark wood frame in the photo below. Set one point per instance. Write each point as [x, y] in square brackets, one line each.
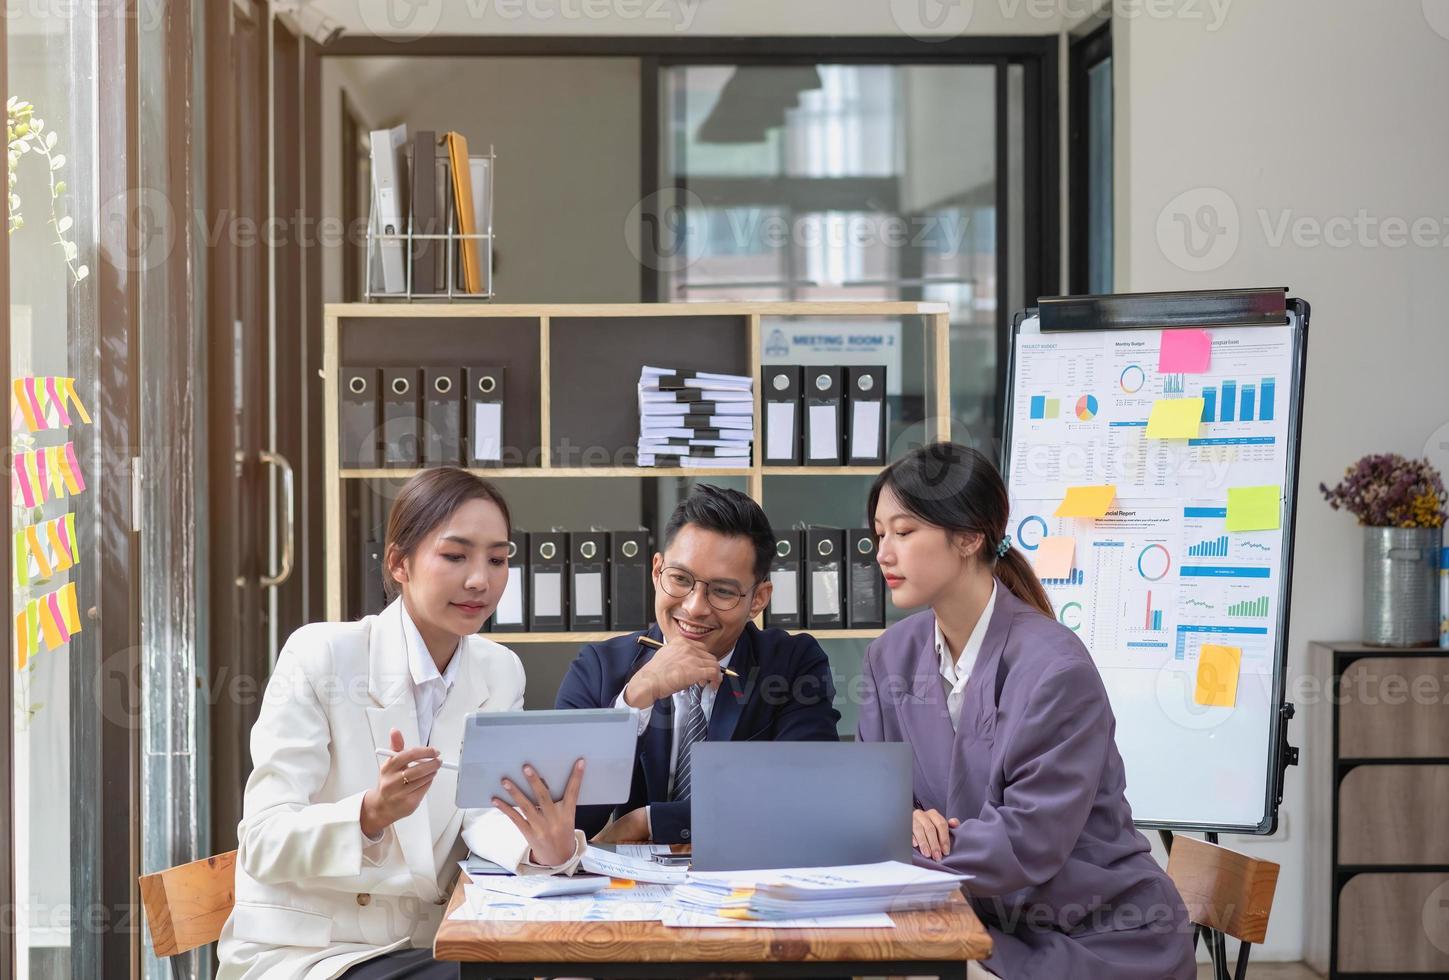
[1083, 55]
[236, 93]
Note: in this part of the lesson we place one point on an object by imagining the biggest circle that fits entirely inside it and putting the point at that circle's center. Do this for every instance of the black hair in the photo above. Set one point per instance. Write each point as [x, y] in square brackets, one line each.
[954, 487]
[426, 501]
[725, 512]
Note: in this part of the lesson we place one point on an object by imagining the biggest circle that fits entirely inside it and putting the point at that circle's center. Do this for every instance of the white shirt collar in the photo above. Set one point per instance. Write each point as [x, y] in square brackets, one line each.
[420, 662]
[956, 672]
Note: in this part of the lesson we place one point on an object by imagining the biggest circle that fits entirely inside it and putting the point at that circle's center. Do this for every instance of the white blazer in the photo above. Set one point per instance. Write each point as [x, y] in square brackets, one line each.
[313, 898]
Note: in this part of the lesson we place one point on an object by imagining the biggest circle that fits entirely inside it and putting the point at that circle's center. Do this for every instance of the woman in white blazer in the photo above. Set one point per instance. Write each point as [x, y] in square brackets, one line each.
[345, 859]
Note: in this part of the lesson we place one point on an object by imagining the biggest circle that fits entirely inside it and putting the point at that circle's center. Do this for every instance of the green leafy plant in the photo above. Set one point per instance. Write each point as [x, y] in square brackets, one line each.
[27, 134]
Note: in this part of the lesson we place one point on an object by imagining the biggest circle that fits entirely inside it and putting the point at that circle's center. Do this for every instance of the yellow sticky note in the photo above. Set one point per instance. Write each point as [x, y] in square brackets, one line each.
[1087, 501]
[1217, 676]
[1053, 558]
[1175, 418]
[1254, 508]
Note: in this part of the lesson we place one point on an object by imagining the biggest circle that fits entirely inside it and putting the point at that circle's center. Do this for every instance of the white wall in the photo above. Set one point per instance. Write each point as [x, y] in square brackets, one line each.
[1303, 109]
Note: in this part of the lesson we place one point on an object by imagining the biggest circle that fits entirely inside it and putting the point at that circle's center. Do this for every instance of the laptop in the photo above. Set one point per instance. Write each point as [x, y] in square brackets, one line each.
[757, 805]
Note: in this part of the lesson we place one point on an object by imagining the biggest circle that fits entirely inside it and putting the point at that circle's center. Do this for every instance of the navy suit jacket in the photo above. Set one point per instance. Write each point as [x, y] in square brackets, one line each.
[784, 693]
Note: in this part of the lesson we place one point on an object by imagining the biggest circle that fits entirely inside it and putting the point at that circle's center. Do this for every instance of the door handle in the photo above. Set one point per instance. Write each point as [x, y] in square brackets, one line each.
[289, 518]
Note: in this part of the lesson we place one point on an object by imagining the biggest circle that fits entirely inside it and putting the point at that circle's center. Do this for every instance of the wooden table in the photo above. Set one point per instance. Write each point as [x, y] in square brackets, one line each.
[936, 943]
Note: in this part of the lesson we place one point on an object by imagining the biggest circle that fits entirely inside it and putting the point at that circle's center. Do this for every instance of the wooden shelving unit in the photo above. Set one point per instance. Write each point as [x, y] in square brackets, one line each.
[542, 347]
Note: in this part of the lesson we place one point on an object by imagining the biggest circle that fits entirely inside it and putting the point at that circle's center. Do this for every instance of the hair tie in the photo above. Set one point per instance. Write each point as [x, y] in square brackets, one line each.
[1003, 547]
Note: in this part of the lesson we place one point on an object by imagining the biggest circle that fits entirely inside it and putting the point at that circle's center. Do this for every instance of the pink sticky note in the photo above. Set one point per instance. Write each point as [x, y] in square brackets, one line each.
[55, 399]
[1185, 352]
[1053, 557]
[22, 482]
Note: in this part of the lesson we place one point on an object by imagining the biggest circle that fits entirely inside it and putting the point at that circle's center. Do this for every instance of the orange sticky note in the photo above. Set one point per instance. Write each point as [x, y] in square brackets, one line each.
[1185, 352]
[1053, 558]
[23, 402]
[1175, 418]
[1217, 676]
[49, 625]
[1087, 501]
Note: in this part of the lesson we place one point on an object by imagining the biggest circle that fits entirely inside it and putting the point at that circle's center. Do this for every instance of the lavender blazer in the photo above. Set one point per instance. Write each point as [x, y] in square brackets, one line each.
[1065, 883]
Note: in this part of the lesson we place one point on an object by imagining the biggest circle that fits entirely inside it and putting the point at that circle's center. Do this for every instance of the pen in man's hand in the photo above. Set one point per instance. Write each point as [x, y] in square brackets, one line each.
[653, 644]
[388, 754]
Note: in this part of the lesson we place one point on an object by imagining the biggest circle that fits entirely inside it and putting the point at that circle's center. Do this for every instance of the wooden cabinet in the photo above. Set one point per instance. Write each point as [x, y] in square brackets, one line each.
[571, 408]
[1378, 775]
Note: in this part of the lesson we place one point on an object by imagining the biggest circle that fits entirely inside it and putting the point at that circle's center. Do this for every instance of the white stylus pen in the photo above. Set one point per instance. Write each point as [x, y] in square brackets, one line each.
[388, 754]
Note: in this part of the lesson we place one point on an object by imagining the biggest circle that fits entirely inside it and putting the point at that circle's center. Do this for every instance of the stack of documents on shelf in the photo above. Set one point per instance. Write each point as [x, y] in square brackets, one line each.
[812, 893]
[698, 419]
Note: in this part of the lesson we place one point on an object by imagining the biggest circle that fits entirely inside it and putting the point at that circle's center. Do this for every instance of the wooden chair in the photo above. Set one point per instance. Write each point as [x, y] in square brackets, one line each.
[1227, 894]
[187, 905]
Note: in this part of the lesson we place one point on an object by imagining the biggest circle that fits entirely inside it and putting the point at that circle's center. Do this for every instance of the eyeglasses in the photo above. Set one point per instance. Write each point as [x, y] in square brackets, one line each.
[680, 584]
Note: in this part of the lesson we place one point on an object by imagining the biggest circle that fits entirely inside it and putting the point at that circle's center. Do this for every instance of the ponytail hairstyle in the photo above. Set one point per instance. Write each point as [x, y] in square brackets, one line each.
[956, 488]
[424, 502]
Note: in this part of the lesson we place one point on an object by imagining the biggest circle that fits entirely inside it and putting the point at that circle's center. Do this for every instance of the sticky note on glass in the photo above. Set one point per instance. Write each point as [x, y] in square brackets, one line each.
[1217, 676]
[1053, 557]
[1175, 418]
[1254, 508]
[1185, 352]
[1087, 501]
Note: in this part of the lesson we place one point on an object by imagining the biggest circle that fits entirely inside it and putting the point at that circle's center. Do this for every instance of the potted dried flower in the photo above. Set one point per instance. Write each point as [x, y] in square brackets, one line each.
[1401, 505]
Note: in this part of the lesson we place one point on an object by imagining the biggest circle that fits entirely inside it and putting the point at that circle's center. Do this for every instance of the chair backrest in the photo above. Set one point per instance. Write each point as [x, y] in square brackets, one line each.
[1223, 890]
[187, 905]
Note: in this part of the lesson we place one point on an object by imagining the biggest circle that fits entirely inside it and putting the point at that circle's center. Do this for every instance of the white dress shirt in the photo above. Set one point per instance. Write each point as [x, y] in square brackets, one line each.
[430, 688]
[681, 716]
[955, 673]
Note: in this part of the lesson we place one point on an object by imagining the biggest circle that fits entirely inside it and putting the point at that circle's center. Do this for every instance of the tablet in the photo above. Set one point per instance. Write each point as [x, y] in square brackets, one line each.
[498, 743]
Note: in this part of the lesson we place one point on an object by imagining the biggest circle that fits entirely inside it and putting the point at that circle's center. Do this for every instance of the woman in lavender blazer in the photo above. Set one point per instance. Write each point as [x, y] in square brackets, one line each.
[1017, 779]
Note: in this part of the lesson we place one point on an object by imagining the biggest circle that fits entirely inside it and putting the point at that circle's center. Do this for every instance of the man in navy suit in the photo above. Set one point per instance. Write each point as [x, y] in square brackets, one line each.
[711, 579]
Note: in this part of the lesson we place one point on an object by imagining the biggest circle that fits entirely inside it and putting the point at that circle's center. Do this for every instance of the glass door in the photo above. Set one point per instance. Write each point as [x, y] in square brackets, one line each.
[56, 482]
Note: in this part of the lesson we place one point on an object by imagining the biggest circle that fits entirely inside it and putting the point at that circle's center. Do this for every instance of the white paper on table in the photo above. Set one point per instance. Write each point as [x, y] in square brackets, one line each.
[542, 886]
[644, 851]
[480, 905]
[548, 594]
[589, 594]
[865, 430]
[487, 432]
[783, 599]
[825, 593]
[824, 433]
[510, 604]
[780, 426]
[616, 865]
[679, 919]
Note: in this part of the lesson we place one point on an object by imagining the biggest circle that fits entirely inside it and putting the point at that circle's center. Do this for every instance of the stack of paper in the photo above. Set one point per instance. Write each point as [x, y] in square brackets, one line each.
[697, 419]
[803, 893]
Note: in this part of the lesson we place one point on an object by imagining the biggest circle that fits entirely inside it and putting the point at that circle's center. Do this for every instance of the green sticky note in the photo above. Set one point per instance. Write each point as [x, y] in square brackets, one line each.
[1175, 418]
[1254, 508]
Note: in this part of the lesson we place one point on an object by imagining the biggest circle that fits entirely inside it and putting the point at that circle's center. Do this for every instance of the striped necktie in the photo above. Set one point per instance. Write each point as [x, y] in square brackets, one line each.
[694, 729]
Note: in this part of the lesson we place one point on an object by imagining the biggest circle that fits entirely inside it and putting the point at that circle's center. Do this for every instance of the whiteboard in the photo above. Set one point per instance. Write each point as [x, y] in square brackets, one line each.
[1159, 576]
